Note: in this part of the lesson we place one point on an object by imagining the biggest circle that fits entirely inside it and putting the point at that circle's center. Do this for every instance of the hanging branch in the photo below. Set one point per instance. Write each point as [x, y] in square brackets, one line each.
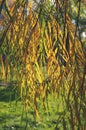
[77, 22]
[31, 33]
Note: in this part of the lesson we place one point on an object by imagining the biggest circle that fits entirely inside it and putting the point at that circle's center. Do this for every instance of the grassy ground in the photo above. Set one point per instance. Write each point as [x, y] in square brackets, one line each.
[13, 117]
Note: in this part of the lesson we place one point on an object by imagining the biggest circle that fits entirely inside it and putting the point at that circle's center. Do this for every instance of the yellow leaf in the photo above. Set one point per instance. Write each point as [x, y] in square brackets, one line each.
[49, 26]
[16, 28]
[21, 41]
[37, 99]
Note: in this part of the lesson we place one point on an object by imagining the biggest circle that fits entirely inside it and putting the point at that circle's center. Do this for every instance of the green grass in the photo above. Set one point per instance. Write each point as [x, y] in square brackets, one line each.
[13, 117]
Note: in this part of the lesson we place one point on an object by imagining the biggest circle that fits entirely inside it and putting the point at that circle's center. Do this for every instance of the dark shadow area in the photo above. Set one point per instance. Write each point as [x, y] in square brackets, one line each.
[14, 127]
[9, 92]
[3, 118]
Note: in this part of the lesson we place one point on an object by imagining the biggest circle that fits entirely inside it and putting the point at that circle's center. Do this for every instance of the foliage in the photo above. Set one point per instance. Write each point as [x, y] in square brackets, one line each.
[43, 53]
